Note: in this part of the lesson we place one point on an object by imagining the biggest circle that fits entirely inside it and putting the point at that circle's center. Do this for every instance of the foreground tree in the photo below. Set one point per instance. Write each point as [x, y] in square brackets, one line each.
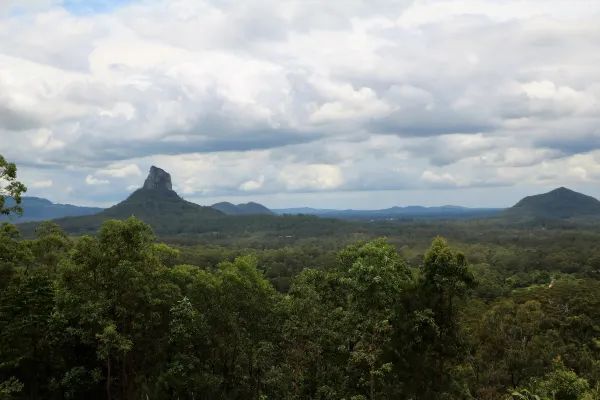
[375, 279]
[10, 187]
[445, 279]
[113, 300]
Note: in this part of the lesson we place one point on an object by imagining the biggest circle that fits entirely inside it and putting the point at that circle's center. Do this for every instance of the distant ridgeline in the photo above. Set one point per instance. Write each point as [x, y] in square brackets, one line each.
[161, 207]
[450, 212]
[38, 209]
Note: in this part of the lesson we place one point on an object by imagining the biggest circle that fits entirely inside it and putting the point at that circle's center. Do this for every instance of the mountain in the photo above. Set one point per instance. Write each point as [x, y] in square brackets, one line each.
[242, 209]
[155, 203]
[454, 212]
[226, 208]
[39, 209]
[171, 216]
[561, 203]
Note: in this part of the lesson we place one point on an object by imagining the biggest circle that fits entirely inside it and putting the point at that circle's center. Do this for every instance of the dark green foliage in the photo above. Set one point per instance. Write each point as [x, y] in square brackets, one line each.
[119, 316]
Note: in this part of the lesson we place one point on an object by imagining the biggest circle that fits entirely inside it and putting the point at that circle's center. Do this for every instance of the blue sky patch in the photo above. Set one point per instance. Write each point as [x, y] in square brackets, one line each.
[83, 7]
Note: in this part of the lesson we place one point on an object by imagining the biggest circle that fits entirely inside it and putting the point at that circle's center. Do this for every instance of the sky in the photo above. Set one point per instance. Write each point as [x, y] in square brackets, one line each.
[333, 104]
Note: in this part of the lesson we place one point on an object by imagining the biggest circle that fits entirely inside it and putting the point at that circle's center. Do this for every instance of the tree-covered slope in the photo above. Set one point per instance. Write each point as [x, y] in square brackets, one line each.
[242, 209]
[561, 203]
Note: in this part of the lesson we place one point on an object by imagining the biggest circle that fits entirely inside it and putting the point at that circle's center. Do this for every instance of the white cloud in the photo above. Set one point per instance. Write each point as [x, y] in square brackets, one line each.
[90, 180]
[40, 184]
[252, 184]
[311, 177]
[24, 5]
[118, 171]
[443, 179]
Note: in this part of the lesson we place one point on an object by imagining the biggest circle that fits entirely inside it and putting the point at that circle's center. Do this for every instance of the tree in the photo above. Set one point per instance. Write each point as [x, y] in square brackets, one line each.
[114, 300]
[245, 318]
[10, 187]
[25, 314]
[513, 345]
[376, 276]
[51, 246]
[304, 333]
[13, 253]
[445, 277]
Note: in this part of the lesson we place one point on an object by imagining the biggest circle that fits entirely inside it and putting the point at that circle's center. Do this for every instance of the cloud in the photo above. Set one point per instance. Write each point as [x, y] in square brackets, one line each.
[286, 97]
[117, 171]
[311, 177]
[252, 185]
[40, 184]
[8, 6]
[90, 180]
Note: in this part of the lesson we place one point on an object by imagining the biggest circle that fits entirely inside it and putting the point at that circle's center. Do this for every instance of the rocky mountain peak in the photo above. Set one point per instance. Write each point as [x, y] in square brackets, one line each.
[158, 179]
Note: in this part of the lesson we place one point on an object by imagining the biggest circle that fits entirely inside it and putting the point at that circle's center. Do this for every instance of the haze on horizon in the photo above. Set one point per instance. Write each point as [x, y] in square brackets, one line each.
[342, 104]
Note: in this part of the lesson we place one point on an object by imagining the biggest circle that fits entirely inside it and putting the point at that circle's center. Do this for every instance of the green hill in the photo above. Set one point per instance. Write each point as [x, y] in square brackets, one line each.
[561, 203]
[226, 208]
[242, 209]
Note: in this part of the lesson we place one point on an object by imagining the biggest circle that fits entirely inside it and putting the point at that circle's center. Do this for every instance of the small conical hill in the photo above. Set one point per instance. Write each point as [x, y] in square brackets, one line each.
[561, 203]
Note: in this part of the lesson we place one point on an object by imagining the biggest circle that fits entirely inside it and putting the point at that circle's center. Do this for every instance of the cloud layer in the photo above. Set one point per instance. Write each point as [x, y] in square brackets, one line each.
[273, 97]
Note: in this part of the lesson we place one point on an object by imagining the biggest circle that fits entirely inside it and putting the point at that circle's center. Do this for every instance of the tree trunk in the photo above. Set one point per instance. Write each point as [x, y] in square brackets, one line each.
[108, 378]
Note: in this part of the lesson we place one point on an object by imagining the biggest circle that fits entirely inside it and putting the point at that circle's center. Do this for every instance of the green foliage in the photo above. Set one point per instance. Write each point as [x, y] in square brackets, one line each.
[10, 388]
[10, 187]
[249, 315]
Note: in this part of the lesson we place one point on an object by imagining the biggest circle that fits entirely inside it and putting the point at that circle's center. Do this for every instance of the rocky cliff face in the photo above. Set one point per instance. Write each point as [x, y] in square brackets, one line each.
[158, 179]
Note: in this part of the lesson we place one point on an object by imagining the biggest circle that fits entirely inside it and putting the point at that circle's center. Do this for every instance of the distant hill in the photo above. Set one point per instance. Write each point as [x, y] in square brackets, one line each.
[453, 212]
[242, 209]
[561, 203]
[156, 203]
[169, 215]
[39, 209]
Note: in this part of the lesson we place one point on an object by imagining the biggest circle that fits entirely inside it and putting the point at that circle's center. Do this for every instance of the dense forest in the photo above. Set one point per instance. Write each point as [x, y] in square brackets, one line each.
[380, 311]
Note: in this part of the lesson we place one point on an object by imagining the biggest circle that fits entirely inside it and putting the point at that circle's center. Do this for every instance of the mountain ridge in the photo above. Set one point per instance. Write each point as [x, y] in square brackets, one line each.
[249, 208]
[41, 209]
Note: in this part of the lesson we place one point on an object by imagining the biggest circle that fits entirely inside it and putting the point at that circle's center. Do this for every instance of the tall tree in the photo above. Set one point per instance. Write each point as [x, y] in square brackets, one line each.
[445, 278]
[376, 277]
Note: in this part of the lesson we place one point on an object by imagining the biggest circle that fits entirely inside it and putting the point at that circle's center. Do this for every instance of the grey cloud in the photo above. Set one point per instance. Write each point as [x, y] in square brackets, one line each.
[16, 121]
[95, 151]
[571, 146]
[66, 48]
[418, 121]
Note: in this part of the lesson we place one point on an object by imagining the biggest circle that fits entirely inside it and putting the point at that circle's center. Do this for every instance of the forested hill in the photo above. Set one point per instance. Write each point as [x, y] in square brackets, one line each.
[39, 209]
[170, 215]
[242, 209]
[560, 203]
